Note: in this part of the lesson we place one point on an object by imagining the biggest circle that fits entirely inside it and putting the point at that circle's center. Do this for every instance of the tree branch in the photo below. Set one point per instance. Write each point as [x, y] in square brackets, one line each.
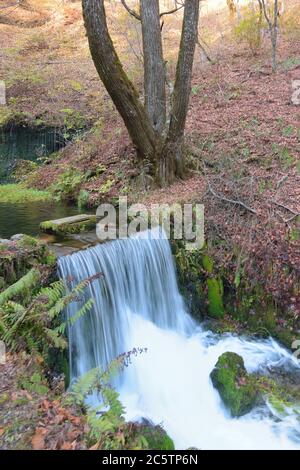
[231, 201]
[170, 12]
[286, 208]
[130, 11]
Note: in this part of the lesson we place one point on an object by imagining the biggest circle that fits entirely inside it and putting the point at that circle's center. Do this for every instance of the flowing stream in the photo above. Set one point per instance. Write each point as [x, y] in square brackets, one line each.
[137, 304]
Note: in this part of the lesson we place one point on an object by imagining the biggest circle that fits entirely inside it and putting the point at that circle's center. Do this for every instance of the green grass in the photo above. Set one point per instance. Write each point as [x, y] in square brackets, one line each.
[16, 193]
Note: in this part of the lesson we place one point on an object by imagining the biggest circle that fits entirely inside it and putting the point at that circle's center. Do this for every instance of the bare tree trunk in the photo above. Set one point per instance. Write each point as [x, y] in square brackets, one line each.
[172, 160]
[115, 80]
[154, 68]
[273, 29]
[232, 9]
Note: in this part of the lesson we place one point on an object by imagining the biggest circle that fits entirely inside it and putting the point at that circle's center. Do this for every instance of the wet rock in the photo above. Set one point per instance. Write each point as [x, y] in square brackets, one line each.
[69, 225]
[4, 241]
[238, 389]
[17, 237]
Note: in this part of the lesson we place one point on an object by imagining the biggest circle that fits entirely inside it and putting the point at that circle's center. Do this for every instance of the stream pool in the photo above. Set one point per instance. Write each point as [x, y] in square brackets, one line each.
[25, 218]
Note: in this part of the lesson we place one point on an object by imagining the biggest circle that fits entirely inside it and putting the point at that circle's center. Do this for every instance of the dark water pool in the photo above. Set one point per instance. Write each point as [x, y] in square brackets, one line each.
[25, 218]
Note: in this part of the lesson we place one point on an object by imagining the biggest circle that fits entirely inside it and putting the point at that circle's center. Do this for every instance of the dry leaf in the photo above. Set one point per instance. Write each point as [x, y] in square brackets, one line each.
[95, 446]
[38, 440]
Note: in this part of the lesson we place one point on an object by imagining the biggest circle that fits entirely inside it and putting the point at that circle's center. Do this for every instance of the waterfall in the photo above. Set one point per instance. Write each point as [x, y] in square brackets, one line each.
[137, 304]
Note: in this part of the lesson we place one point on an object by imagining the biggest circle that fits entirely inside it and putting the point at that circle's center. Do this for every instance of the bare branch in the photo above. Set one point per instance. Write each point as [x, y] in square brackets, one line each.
[174, 10]
[286, 208]
[231, 201]
[130, 11]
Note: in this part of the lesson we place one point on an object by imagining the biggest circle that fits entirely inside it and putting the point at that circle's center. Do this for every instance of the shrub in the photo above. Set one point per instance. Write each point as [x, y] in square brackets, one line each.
[248, 29]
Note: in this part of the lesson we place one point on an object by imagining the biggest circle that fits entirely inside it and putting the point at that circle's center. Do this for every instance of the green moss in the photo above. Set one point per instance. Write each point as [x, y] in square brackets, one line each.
[50, 259]
[215, 298]
[237, 389]
[4, 397]
[157, 438]
[72, 228]
[27, 242]
[16, 193]
[5, 116]
[214, 289]
[207, 263]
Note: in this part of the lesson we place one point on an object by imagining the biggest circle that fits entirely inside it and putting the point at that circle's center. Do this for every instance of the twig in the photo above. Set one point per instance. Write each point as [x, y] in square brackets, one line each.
[290, 219]
[204, 51]
[231, 201]
[285, 207]
[282, 180]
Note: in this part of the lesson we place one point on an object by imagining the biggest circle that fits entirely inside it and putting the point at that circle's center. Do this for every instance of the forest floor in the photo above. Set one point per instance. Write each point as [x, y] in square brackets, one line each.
[32, 414]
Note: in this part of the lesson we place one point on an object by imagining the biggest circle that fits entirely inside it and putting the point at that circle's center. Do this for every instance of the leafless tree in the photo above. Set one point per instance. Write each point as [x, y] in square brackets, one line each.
[271, 14]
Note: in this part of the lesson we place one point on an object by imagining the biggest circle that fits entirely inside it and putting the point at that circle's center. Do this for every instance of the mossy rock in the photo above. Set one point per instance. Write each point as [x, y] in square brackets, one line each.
[236, 387]
[20, 254]
[69, 225]
[156, 437]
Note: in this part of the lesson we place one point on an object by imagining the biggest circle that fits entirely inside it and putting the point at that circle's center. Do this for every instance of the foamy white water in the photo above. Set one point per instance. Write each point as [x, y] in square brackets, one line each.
[137, 304]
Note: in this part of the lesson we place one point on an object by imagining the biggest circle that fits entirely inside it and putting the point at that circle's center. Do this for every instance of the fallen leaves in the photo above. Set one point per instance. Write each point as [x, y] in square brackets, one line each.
[59, 428]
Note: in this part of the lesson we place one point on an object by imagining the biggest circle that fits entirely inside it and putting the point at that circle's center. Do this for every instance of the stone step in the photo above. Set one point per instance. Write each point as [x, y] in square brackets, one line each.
[69, 225]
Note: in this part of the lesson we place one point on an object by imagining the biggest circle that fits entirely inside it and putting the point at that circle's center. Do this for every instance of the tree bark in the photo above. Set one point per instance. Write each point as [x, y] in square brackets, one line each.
[162, 148]
[116, 82]
[273, 29]
[154, 67]
[172, 160]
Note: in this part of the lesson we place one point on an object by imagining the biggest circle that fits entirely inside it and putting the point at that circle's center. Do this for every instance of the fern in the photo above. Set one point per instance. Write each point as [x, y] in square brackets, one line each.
[31, 323]
[26, 282]
[106, 422]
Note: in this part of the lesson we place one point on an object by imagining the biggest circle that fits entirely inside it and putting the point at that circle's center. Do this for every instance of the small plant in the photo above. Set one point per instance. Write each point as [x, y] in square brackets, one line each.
[106, 187]
[108, 429]
[283, 154]
[248, 29]
[72, 120]
[35, 384]
[67, 185]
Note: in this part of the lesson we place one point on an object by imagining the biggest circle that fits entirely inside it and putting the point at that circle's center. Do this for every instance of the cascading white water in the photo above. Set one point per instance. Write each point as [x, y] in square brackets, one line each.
[137, 305]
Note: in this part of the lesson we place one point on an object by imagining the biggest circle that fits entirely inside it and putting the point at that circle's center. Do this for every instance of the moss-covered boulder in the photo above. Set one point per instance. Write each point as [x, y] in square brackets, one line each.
[238, 389]
[156, 437]
[20, 254]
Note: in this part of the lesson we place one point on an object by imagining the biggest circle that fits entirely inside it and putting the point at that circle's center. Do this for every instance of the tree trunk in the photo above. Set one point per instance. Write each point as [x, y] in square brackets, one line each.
[274, 37]
[163, 149]
[172, 160]
[116, 82]
[154, 68]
